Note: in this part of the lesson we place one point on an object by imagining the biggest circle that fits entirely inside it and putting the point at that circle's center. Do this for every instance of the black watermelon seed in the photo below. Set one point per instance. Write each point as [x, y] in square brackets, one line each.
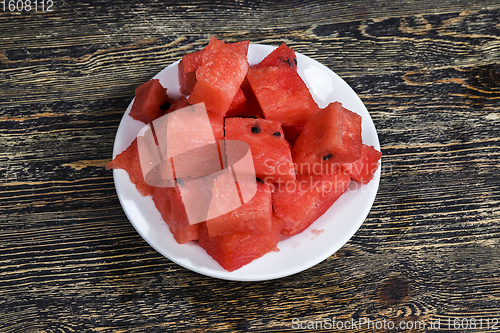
[327, 157]
[259, 180]
[277, 133]
[255, 129]
[295, 61]
[179, 181]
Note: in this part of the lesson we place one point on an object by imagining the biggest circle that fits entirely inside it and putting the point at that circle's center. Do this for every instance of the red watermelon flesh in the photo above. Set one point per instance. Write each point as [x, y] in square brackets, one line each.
[148, 102]
[168, 201]
[161, 199]
[329, 138]
[180, 103]
[282, 55]
[255, 216]
[253, 107]
[238, 107]
[238, 249]
[302, 202]
[129, 161]
[282, 95]
[219, 77]
[292, 133]
[363, 169]
[216, 120]
[270, 151]
[240, 47]
[192, 61]
[187, 70]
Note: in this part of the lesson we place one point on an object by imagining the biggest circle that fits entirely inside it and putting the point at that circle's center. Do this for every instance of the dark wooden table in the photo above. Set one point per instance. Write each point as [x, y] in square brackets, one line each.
[429, 74]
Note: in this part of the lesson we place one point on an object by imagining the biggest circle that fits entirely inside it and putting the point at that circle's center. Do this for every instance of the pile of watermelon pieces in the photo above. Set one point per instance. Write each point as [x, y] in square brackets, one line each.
[304, 156]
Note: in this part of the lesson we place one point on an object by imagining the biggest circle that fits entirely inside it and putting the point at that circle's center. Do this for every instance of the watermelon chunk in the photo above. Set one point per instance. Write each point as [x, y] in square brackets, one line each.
[216, 120]
[238, 107]
[253, 107]
[329, 138]
[169, 203]
[187, 70]
[219, 77]
[255, 216]
[282, 55]
[238, 249]
[363, 169]
[292, 133]
[282, 95]
[240, 47]
[302, 202]
[192, 61]
[270, 151]
[161, 199]
[129, 161]
[149, 100]
[180, 103]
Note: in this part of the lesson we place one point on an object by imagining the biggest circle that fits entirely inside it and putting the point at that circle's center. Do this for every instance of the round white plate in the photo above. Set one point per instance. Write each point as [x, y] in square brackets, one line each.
[297, 253]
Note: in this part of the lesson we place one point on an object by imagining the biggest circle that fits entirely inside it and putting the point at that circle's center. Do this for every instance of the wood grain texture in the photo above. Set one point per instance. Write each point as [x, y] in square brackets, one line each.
[428, 72]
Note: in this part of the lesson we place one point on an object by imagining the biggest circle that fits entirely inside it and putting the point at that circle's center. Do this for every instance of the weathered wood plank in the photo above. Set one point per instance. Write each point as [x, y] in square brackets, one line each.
[429, 75]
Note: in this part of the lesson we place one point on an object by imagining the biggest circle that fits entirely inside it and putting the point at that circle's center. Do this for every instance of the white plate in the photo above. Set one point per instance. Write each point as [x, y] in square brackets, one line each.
[297, 253]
